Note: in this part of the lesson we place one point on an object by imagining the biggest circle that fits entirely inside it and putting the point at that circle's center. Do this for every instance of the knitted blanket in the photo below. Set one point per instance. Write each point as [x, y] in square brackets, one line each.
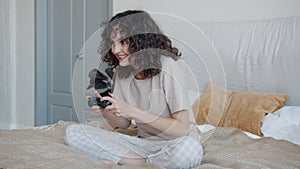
[44, 147]
[231, 148]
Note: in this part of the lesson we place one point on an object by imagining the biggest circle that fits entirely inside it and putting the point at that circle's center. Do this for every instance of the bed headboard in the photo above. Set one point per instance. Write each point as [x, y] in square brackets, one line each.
[260, 55]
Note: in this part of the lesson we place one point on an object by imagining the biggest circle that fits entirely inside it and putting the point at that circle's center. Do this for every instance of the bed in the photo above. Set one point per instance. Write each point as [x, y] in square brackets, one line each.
[256, 61]
[44, 147]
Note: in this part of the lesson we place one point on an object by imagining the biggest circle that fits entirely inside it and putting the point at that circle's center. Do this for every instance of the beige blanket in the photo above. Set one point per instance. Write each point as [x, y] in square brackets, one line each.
[223, 148]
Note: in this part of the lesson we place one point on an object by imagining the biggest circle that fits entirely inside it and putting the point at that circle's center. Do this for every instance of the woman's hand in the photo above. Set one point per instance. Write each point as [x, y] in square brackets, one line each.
[113, 118]
[96, 110]
[119, 107]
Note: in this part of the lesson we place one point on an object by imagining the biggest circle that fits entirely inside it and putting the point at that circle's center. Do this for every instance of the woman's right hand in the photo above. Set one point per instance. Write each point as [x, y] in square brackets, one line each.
[113, 118]
[96, 110]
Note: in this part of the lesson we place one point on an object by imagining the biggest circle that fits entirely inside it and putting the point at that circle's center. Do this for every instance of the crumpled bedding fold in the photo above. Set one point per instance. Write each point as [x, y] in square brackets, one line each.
[44, 147]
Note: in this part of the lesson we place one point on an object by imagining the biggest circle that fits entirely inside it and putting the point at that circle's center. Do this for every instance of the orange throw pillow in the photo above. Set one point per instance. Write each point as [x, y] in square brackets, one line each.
[221, 107]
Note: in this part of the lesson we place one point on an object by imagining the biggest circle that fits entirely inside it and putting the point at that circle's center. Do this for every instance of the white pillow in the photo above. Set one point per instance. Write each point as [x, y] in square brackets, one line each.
[283, 124]
[287, 115]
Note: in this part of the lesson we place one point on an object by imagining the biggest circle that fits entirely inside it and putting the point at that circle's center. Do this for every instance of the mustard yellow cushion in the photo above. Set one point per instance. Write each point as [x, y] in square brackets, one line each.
[221, 107]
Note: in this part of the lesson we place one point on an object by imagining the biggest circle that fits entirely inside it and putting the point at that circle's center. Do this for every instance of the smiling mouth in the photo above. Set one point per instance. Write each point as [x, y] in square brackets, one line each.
[121, 58]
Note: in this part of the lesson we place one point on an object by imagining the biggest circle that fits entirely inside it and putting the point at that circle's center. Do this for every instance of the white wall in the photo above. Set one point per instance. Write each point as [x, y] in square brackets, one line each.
[215, 10]
[25, 63]
[5, 65]
[17, 68]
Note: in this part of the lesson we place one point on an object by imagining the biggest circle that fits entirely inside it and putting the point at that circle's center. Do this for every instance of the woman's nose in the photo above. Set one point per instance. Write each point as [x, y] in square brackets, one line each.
[116, 48]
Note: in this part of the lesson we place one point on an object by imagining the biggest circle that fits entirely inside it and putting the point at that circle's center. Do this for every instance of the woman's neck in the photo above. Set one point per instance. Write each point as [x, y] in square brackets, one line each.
[140, 76]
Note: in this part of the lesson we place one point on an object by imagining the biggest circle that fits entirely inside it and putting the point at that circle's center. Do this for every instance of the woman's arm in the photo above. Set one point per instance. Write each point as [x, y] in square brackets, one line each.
[171, 127]
[115, 120]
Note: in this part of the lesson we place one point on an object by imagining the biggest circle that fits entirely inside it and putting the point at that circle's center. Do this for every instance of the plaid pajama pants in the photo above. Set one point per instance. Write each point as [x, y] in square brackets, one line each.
[185, 152]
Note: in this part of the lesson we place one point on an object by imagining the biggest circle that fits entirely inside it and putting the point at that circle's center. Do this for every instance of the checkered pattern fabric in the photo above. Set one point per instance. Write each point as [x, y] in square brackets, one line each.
[185, 152]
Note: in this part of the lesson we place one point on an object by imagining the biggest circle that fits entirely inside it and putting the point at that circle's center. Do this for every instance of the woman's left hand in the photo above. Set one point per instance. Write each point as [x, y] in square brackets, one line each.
[119, 107]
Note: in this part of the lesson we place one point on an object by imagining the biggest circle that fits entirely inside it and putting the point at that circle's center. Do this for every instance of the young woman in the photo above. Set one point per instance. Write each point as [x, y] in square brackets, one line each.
[150, 90]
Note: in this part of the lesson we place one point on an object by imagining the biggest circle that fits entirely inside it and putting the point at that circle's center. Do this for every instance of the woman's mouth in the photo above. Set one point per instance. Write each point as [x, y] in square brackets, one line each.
[121, 58]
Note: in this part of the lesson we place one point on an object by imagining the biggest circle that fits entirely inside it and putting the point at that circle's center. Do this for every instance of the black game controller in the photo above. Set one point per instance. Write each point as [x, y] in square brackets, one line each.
[94, 101]
[101, 79]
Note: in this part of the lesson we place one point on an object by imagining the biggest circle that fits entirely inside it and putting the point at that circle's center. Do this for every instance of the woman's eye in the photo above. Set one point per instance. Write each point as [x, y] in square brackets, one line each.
[124, 41]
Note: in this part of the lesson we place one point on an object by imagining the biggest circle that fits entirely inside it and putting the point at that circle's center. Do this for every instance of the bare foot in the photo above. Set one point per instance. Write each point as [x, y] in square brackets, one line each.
[132, 159]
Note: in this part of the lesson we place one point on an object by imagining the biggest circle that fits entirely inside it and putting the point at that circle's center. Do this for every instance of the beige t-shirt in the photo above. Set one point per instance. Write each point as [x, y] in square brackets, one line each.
[163, 94]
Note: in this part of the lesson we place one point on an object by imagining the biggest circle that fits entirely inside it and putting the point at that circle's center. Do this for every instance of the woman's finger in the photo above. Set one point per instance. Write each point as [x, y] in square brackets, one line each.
[107, 98]
[95, 110]
[97, 94]
[112, 96]
[111, 108]
[117, 114]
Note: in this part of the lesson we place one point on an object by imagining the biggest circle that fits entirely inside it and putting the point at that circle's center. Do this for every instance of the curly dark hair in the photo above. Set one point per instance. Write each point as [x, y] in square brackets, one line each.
[146, 42]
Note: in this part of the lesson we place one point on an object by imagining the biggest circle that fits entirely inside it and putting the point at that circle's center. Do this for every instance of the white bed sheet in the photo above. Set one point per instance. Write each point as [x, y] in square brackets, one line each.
[207, 127]
[283, 124]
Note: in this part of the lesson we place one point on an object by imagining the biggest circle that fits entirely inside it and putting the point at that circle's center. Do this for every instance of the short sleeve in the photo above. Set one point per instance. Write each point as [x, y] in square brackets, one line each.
[174, 85]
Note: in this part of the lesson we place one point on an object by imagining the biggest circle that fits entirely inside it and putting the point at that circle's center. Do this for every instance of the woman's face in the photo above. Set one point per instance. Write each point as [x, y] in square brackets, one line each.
[120, 48]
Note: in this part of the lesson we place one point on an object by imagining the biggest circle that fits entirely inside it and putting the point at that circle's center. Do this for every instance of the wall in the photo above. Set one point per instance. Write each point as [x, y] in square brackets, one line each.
[17, 64]
[25, 63]
[215, 10]
[5, 65]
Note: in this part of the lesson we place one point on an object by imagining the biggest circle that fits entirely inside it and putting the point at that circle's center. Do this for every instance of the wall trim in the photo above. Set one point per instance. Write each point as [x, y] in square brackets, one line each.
[13, 60]
[40, 62]
[110, 8]
[18, 126]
